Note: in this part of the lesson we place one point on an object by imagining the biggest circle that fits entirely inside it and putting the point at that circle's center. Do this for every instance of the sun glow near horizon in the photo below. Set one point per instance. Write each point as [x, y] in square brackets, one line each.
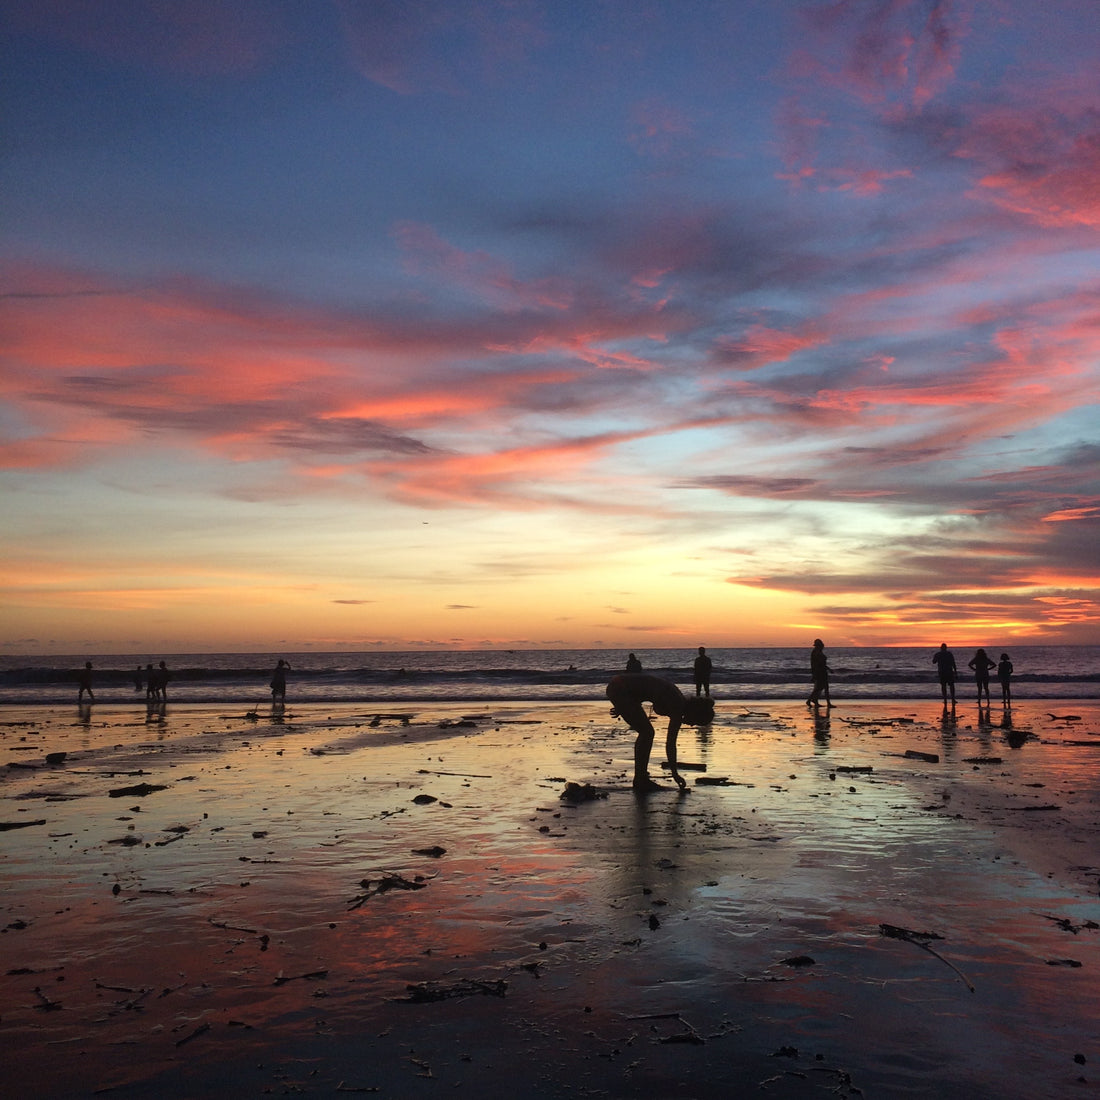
[518, 339]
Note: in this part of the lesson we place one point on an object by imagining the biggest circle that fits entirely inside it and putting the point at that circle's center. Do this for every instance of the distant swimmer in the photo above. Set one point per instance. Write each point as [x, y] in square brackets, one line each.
[633, 664]
[944, 660]
[84, 679]
[278, 682]
[981, 664]
[702, 669]
[627, 692]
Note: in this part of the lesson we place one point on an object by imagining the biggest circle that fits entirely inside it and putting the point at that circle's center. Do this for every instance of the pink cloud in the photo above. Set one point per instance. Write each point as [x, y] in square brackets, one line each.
[760, 346]
[878, 50]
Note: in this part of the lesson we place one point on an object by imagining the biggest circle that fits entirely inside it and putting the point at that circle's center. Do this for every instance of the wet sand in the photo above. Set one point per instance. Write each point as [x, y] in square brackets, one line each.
[403, 905]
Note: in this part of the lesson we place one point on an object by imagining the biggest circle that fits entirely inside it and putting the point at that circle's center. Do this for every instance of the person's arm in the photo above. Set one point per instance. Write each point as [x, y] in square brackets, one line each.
[670, 750]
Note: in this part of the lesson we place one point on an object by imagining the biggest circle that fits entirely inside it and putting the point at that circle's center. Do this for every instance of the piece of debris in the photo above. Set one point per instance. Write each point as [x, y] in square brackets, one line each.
[374, 887]
[5, 825]
[855, 769]
[712, 781]
[1064, 962]
[435, 851]
[200, 1030]
[921, 939]
[929, 757]
[55, 758]
[312, 976]
[139, 790]
[581, 792]
[982, 760]
[425, 799]
[427, 992]
[1064, 717]
[799, 960]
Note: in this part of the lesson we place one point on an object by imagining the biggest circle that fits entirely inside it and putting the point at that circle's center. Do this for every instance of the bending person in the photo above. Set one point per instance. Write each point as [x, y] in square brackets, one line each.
[628, 691]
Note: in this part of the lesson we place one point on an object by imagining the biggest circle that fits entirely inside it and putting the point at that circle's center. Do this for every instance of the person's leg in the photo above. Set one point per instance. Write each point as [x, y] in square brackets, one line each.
[643, 746]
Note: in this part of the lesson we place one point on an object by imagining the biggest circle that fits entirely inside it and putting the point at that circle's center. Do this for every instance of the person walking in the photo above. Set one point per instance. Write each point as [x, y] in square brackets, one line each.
[819, 673]
[84, 679]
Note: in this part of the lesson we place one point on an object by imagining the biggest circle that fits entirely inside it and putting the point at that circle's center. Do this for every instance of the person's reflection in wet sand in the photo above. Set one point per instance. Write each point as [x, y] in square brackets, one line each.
[822, 726]
[628, 692]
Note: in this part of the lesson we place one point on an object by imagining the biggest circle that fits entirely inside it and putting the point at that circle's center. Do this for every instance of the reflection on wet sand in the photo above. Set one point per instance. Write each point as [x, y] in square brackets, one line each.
[224, 925]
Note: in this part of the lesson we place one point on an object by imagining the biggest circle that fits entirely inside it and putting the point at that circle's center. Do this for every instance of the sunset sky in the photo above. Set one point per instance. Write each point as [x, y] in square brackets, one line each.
[383, 324]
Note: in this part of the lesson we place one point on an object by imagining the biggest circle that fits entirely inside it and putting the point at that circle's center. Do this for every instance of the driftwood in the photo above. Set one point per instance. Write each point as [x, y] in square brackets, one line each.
[140, 790]
[5, 825]
[921, 940]
[929, 757]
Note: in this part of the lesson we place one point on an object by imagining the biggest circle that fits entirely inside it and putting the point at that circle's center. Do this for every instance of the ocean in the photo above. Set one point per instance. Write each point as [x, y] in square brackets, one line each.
[524, 675]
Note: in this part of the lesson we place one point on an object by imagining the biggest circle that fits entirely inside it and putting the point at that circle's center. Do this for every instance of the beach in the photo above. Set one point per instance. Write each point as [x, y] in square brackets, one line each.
[885, 899]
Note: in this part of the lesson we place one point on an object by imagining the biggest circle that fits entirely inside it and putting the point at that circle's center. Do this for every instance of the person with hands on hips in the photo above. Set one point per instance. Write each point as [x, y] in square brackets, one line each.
[627, 692]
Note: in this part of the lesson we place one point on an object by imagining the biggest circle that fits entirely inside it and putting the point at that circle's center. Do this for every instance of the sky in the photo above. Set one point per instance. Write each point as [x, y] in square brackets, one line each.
[394, 324]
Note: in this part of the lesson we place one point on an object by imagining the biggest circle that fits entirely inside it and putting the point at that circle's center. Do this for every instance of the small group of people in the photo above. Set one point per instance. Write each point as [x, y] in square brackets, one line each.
[156, 682]
[948, 670]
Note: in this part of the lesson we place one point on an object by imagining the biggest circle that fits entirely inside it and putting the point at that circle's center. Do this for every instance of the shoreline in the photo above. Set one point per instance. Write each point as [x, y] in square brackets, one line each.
[269, 914]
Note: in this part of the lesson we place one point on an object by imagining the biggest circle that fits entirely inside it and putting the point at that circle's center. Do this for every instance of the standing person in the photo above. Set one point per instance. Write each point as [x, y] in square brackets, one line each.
[278, 682]
[1004, 674]
[84, 679]
[819, 673]
[137, 678]
[702, 669]
[944, 659]
[627, 692]
[163, 676]
[150, 682]
[633, 664]
[981, 664]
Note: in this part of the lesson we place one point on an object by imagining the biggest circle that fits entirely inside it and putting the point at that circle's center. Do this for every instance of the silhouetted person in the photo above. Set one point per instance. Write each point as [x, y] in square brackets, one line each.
[84, 679]
[278, 682]
[1004, 674]
[702, 669]
[819, 673]
[137, 678]
[981, 664]
[150, 681]
[627, 692]
[163, 676]
[633, 664]
[944, 660]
